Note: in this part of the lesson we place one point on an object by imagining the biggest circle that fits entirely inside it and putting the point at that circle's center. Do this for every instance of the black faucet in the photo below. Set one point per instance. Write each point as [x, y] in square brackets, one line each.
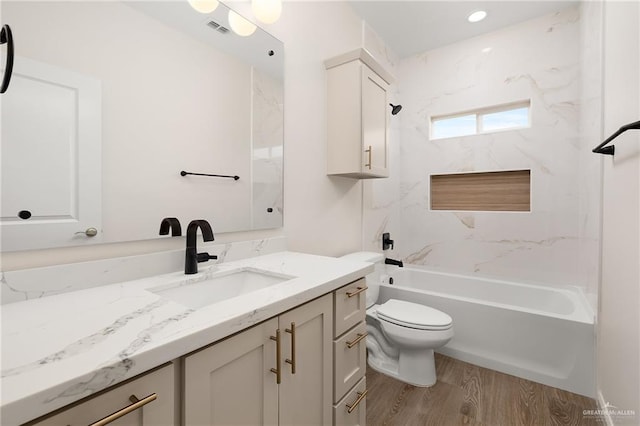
[192, 257]
[388, 261]
[170, 223]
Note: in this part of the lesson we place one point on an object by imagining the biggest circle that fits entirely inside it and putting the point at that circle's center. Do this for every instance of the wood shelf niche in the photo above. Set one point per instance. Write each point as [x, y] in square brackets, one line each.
[482, 191]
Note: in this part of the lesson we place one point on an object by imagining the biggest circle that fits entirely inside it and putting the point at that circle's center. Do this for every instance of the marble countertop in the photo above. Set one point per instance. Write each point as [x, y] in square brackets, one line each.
[59, 349]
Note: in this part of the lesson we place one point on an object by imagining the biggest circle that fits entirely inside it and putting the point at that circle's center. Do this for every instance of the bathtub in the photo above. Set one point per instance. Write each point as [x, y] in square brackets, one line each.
[543, 334]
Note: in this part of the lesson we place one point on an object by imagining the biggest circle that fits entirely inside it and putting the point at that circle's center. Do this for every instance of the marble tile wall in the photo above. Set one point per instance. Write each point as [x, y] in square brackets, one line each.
[34, 283]
[538, 60]
[267, 150]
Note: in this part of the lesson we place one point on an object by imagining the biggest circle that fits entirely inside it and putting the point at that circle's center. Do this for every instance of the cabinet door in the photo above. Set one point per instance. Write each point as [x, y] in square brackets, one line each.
[231, 383]
[375, 110]
[305, 396]
[159, 411]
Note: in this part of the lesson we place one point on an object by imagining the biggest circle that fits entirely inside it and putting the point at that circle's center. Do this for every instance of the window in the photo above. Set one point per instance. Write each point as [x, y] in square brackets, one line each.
[486, 120]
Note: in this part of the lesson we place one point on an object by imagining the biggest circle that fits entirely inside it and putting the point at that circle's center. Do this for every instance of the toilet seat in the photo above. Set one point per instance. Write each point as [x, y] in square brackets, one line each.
[413, 315]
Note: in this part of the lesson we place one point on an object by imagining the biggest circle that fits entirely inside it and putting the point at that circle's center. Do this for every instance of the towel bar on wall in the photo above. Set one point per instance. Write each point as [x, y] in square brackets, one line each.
[611, 149]
[183, 173]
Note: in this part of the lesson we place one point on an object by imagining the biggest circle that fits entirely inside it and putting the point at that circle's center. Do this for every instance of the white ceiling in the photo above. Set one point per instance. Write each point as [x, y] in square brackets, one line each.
[410, 27]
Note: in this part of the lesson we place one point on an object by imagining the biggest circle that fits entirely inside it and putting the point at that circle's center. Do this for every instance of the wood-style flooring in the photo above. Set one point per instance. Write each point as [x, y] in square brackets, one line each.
[466, 394]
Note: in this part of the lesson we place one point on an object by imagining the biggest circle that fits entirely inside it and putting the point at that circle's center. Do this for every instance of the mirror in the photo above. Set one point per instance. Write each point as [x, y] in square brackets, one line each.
[110, 101]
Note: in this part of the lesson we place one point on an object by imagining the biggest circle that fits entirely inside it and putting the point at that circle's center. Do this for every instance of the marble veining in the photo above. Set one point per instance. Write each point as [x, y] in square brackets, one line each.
[523, 62]
[61, 348]
[47, 281]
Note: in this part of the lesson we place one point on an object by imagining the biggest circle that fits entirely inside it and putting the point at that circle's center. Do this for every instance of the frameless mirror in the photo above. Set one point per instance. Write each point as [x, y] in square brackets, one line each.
[110, 101]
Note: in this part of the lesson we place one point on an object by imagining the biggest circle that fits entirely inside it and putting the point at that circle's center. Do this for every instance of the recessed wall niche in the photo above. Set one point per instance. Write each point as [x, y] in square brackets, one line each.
[482, 191]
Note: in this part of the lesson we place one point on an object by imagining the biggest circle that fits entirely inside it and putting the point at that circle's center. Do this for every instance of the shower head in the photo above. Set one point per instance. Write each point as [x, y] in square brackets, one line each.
[395, 109]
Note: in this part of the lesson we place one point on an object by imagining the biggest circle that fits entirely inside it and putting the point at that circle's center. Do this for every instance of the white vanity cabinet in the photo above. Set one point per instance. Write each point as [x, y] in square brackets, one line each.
[357, 116]
[148, 399]
[350, 354]
[278, 372]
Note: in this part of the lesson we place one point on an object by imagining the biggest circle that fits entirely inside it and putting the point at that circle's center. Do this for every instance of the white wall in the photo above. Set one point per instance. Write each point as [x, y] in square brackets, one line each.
[538, 60]
[619, 316]
[321, 215]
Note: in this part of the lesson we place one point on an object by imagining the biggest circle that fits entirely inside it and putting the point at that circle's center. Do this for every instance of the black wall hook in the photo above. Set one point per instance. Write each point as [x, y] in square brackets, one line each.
[611, 149]
[7, 37]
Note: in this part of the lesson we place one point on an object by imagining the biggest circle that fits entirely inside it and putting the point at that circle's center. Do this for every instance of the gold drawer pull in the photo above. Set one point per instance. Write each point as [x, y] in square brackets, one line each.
[137, 403]
[358, 339]
[278, 369]
[369, 151]
[353, 406]
[292, 361]
[358, 291]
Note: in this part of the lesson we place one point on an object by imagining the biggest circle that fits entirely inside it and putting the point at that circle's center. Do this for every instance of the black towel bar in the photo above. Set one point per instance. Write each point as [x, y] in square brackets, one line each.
[611, 149]
[183, 173]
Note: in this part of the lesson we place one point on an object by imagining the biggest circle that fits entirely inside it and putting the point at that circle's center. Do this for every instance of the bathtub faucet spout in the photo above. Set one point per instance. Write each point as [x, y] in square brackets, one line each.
[388, 261]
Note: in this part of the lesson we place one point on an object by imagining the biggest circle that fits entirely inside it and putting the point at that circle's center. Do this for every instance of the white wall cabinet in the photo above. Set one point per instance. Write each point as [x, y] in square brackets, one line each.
[147, 400]
[235, 382]
[357, 116]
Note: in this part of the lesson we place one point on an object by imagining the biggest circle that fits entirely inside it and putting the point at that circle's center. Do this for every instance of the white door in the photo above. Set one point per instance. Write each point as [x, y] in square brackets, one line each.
[375, 110]
[51, 157]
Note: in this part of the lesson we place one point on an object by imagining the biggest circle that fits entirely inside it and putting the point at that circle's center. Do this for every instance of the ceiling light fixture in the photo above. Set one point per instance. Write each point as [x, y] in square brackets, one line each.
[204, 6]
[240, 25]
[267, 11]
[477, 16]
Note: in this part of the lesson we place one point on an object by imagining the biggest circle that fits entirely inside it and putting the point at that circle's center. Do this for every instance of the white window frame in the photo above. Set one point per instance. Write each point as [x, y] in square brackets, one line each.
[479, 113]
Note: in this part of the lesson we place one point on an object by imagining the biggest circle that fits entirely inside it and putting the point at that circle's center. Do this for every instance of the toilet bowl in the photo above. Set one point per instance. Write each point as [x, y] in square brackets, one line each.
[402, 335]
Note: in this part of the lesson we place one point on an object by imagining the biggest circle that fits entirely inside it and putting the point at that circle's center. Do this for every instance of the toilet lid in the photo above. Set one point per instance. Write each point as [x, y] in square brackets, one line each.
[413, 315]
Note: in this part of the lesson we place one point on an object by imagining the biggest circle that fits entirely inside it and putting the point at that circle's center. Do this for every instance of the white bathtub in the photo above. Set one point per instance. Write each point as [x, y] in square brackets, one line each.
[538, 333]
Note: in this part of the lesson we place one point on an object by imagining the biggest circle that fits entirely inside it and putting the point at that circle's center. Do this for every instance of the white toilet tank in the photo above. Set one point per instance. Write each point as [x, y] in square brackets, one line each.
[373, 279]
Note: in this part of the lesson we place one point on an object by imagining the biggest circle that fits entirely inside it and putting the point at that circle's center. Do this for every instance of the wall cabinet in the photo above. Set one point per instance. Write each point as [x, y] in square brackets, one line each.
[278, 372]
[147, 400]
[357, 116]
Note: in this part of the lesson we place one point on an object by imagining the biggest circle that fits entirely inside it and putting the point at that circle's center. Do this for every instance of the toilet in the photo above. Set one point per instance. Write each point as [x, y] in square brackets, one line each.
[402, 335]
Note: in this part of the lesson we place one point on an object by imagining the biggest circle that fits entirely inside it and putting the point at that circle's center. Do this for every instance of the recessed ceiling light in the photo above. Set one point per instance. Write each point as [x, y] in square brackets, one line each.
[477, 16]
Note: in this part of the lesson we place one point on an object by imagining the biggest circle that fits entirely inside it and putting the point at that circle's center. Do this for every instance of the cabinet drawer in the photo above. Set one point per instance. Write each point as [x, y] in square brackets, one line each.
[159, 411]
[356, 402]
[349, 306]
[350, 360]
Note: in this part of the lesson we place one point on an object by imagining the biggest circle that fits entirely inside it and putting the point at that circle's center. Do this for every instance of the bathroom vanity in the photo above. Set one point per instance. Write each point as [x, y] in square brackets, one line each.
[265, 354]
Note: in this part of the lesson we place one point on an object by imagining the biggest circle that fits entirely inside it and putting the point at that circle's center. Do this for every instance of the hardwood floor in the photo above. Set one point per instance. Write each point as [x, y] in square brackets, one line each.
[466, 394]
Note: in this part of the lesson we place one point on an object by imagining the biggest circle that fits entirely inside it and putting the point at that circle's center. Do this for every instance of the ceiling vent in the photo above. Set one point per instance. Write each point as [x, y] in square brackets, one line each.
[218, 27]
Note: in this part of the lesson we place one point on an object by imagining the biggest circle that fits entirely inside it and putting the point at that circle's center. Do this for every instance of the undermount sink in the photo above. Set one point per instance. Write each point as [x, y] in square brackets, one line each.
[207, 290]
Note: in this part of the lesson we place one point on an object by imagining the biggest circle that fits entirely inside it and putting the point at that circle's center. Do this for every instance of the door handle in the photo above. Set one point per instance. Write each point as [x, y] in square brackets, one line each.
[89, 232]
[278, 370]
[137, 403]
[292, 361]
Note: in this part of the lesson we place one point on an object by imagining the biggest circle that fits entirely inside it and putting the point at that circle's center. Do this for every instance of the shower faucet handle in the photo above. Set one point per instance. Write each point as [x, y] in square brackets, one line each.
[387, 242]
